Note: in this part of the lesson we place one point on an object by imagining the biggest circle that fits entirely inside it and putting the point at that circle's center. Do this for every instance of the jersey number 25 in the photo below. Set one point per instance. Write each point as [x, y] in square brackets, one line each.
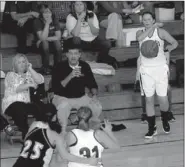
[36, 150]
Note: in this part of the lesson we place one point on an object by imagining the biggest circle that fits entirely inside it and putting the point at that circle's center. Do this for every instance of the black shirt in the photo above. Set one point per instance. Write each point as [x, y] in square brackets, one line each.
[23, 7]
[38, 25]
[76, 86]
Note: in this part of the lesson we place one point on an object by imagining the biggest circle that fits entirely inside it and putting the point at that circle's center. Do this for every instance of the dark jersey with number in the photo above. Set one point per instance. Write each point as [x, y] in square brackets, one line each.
[36, 151]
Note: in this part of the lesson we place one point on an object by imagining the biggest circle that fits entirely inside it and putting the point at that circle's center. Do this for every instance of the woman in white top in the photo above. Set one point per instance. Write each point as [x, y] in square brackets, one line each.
[16, 101]
[154, 72]
[83, 29]
[86, 142]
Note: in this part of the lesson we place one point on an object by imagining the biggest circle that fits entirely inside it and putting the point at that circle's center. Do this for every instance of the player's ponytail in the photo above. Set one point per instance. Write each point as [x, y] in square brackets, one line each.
[55, 126]
[84, 114]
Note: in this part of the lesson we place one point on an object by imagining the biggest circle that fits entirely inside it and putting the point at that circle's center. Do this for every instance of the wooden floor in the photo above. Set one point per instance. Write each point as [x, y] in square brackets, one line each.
[162, 151]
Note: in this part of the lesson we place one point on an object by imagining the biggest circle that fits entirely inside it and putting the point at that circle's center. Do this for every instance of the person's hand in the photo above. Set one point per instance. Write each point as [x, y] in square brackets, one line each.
[35, 14]
[33, 85]
[158, 25]
[108, 126]
[75, 73]
[29, 66]
[93, 161]
[90, 21]
[169, 48]
[48, 20]
[94, 91]
[81, 16]
[22, 21]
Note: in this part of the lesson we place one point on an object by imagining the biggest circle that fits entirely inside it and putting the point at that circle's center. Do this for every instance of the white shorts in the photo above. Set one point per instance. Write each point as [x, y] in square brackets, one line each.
[154, 79]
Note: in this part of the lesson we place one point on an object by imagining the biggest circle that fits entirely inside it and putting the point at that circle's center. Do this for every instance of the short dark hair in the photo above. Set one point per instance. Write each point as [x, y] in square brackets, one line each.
[42, 5]
[70, 46]
[150, 13]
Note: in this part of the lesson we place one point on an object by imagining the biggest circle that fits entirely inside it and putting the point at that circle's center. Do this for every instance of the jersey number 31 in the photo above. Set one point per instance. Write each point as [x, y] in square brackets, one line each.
[86, 152]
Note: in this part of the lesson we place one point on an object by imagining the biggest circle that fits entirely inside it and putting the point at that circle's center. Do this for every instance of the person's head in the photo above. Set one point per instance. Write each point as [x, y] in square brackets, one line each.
[73, 55]
[45, 11]
[79, 7]
[84, 114]
[20, 63]
[47, 113]
[148, 19]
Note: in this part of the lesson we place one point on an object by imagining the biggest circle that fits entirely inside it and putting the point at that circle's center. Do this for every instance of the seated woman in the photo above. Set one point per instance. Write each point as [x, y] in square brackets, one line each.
[16, 101]
[83, 29]
[48, 33]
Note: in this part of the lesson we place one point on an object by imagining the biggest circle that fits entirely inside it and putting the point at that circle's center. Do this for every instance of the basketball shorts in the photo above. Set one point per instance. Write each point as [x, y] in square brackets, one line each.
[154, 79]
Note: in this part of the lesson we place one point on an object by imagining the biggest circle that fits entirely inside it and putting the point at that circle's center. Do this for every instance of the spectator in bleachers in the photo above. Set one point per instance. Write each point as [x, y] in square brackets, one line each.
[74, 86]
[48, 33]
[83, 29]
[112, 15]
[18, 19]
[16, 101]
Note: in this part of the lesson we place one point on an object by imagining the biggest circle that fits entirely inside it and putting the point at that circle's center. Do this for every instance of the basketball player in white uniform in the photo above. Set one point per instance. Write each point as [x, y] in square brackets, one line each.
[85, 142]
[154, 72]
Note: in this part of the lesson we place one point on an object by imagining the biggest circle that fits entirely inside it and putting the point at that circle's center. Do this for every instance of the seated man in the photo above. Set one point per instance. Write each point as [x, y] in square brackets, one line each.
[74, 86]
[18, 18]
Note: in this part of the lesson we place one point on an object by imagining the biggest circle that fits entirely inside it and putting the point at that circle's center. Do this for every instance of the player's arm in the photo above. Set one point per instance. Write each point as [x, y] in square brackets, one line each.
[107, 140]
[70, 139]
[141, 35]
[59, 142]
[167, 37]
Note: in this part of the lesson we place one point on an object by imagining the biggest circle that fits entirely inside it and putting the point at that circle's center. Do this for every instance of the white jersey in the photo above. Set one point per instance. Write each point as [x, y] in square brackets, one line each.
[85, 146]
[161, 58]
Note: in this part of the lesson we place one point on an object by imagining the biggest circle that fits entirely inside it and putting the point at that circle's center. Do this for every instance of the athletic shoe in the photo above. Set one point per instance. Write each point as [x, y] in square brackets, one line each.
[9, 130]
[151, 132]
[165, 119]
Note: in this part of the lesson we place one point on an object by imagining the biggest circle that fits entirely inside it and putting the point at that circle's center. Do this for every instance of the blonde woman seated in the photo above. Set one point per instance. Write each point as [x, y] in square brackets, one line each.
[16, 102]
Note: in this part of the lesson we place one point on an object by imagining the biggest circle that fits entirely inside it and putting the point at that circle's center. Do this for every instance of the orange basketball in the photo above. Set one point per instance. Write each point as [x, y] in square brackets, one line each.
[149, 49]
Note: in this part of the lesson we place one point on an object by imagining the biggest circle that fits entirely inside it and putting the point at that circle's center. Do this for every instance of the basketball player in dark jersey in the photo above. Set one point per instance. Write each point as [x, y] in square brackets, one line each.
[41, 140]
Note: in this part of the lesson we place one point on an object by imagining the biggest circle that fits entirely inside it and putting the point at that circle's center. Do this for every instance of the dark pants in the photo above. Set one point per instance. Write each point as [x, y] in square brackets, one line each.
[46, 47]
[97, 45]
[3, 122]
[19, 112]
[20, 32]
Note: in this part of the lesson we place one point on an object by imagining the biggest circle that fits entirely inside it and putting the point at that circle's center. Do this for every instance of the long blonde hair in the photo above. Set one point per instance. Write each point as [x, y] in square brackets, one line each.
[84, 114]
[15, 59]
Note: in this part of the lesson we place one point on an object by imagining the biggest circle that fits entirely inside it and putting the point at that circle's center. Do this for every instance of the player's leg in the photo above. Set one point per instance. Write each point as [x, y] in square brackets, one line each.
[143, 104]
[148, 84]
[171, 116]
[161, 90]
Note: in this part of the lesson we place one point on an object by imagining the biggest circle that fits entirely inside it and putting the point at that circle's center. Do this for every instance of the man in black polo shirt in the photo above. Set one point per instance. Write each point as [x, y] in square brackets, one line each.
[47, 30]
[74, 86]
[19, 20]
